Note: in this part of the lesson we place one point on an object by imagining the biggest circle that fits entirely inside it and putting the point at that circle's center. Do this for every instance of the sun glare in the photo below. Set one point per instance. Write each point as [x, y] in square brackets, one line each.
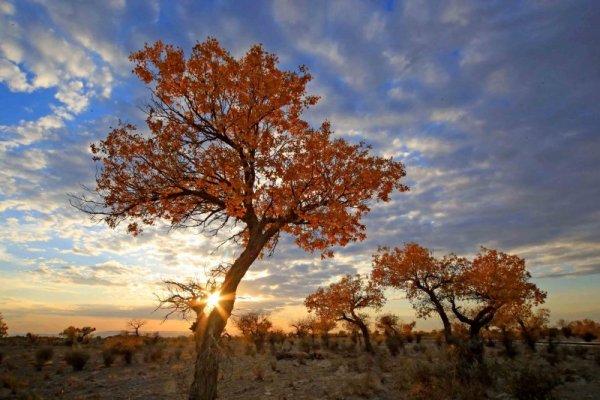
[213, 300]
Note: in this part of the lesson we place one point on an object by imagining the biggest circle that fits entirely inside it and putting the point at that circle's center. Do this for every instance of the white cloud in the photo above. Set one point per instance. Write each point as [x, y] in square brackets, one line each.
[14, 77]
[447, 115]
[7, 8]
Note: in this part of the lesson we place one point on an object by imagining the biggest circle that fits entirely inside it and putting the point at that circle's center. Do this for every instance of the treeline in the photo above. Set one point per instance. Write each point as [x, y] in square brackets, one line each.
[488, 297]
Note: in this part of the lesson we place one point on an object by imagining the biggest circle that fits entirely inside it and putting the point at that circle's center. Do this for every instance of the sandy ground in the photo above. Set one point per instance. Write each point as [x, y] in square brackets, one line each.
[419, 372]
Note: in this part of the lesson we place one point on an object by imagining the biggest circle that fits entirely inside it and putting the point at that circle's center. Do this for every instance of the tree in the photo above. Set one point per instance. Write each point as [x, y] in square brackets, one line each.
[342, 300]
[3, 327]
[77, 335]
[532, 324]
[254, 326]
[586, 329]
[388, 323]
[493, 281]
[227, 148]
[136, 324]
[302, 326]
[424, 278]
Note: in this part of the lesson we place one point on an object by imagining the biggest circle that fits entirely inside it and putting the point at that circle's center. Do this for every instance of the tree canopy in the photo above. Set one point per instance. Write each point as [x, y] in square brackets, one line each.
[226, 143]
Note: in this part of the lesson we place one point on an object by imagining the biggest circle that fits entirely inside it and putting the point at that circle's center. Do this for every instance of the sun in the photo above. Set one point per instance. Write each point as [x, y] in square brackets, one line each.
[213, 300]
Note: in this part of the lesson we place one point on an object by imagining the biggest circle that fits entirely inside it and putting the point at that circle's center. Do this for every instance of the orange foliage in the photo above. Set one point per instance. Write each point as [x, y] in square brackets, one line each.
[492, 281]
[227, 144]
[341, 300]
[473, 291]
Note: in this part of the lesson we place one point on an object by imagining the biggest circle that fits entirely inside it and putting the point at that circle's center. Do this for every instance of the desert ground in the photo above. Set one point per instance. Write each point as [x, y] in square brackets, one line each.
[293, 368]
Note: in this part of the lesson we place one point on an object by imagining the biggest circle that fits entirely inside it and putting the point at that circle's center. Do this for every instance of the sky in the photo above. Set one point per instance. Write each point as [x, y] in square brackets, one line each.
[493, 107]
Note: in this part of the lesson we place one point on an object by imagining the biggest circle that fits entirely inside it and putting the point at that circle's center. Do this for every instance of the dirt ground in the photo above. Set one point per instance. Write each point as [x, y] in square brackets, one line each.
[162, 370]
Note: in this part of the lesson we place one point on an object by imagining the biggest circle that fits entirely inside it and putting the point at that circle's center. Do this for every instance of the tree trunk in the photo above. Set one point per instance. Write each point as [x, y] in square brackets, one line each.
[365, 333]
[210, 327]
[208, 333]
[443, 316]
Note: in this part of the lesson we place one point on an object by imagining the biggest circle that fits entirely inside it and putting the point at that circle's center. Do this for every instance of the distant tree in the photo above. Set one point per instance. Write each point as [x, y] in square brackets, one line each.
[585, 329]
[388, 324]
[407, 330]
[3, 327]
[227, 148]
[85, 334]
[254, 326]
[424, 278]
[136, 324]
[531, 324]
[77, 335]
[342, 301]
[302, 326]
[322, 327]
[565, 329]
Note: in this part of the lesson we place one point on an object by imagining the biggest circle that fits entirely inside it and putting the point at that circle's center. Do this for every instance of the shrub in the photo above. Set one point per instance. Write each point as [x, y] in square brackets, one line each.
[589, 336]
[108, 356]
[77, 359]
[42, 356]
[153, 354]
[125, 346]
[533, 383]
[177, 354]
[12, 383]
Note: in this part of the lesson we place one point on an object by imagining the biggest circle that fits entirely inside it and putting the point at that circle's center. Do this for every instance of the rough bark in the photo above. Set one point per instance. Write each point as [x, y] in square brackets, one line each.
[210, 327]
[365, 333]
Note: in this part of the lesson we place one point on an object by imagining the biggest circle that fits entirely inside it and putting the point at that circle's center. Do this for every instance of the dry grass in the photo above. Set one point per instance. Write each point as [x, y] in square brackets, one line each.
[163, 368]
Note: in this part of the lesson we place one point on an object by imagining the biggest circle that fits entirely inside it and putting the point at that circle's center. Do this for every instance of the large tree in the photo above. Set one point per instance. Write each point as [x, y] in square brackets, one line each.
[423, 277]
[227, 148]
[492, 282]
[343, 300]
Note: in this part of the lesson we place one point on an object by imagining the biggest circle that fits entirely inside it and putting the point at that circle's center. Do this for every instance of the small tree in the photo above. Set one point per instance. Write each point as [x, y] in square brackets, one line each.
[390, 324]
[86, 334]
[136, 324]
[77, 335]
[341, 301]
[3, 327]
[227, 148]
[302, 327]
[254, 326]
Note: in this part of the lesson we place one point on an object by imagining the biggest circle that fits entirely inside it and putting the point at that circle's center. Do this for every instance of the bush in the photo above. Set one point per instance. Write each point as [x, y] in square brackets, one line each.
[12, 383]
[534, 383]
[589, 336]
[42, 356]
[125, 346]
[154, 354]
[108, 356]
[77, 359]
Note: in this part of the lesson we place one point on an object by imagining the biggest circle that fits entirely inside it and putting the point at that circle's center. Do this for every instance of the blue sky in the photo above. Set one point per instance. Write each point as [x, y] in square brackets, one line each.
[492, 106]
